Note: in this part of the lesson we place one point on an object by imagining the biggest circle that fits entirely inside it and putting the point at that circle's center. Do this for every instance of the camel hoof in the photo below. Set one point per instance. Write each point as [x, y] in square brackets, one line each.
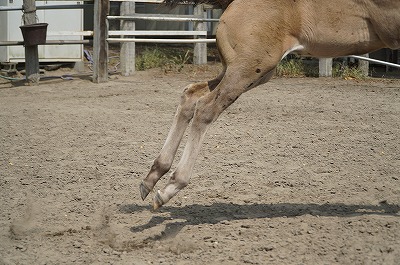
[144, 191]
[157, 201]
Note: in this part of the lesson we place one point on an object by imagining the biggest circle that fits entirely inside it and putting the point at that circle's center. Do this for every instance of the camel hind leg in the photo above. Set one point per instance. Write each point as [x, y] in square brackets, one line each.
[250, 51]
[208, 109]
[183, 115]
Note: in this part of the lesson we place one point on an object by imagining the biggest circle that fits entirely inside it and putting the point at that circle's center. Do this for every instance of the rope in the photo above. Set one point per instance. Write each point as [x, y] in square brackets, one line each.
[26, 11]
[11, 78]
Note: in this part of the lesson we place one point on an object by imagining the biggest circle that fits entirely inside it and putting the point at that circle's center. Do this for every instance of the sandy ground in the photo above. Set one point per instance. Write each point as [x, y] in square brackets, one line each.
[297, 171]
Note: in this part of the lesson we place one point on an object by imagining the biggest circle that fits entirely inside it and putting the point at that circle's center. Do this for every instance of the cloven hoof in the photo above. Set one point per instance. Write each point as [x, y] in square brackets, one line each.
[144, 190]
[157, 201]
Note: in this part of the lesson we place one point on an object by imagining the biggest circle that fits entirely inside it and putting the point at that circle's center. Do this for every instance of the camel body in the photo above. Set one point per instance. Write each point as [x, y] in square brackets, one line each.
[252, 37]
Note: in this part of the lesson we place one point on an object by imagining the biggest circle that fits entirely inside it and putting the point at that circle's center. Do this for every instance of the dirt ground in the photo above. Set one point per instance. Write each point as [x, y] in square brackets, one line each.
[297, 171]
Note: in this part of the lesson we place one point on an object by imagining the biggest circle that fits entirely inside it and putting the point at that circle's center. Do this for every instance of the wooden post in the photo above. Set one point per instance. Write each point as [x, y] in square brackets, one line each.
[325, 67]
[100, 45]
[32, 71]
[127, 53]
[200, 49]
[364, 65]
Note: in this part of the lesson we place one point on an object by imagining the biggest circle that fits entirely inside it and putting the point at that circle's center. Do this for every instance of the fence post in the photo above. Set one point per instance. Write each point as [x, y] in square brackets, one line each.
[200, 49]
[363, 65]
[32, 71]
[127, 53]
[100, 45]
[325, 67]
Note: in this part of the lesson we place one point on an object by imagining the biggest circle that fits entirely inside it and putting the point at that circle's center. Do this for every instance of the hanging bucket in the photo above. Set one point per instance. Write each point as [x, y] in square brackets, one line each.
[34, 34]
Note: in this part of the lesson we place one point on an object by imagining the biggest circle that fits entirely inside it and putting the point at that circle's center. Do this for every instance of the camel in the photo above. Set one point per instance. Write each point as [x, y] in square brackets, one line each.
[252, 37]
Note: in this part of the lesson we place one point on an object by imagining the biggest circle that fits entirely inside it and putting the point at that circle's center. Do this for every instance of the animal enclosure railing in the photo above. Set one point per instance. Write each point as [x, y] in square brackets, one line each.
[130, 35]
[325, 64]
[102, 36]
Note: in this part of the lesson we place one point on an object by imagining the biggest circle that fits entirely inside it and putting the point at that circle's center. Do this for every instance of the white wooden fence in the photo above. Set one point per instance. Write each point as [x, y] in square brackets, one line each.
[102, 36]
[130, 36]
[128, 17]
[325, 64]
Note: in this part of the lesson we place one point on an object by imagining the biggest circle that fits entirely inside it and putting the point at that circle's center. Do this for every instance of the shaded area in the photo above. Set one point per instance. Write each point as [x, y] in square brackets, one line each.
[211, 214]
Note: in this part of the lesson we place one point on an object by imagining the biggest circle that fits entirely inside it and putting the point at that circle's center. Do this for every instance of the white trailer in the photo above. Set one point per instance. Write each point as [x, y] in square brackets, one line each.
[64, 24]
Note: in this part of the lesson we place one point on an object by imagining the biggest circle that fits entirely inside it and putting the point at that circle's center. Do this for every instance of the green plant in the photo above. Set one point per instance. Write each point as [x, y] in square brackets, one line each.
[347, 72]
[169, 59]
[291, 68]
[177, 62]
[150, 58]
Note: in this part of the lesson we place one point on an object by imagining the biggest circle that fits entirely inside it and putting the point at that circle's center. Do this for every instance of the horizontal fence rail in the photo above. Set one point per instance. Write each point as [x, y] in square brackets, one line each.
[58, 33]
[375, 61]
[129, 36]
[16, 8]
[48, 42]
[186, 41]
[157, 33]
[177, 18]
[125, 35]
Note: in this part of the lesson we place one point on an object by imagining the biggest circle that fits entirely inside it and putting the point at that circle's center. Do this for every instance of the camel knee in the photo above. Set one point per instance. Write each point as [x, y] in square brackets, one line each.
[208, 109]
[189, 97]
[204, 115]
[161, 165]
[194, 91]
[179, 180]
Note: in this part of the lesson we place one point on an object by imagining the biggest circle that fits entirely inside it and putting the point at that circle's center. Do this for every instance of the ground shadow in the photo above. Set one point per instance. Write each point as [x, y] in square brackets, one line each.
[211, 214]
[48, 79]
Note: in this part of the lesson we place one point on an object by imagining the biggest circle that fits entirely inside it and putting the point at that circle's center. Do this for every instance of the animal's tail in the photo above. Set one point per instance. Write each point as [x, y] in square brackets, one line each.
[216, 3]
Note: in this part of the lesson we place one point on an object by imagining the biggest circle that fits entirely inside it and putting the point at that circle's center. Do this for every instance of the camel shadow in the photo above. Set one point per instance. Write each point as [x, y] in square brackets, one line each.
[197, 214]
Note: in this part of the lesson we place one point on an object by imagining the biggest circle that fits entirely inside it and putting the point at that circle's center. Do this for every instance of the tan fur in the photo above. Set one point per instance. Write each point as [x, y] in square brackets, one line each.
[252, 37]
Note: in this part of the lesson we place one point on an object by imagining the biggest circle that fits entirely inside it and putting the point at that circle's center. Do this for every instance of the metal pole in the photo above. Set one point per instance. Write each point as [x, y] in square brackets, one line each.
[375, 61]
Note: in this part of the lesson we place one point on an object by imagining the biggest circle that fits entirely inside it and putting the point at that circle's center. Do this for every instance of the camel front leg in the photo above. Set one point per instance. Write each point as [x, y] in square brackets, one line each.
[184, 114]
[208, 109]
[181, 176]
